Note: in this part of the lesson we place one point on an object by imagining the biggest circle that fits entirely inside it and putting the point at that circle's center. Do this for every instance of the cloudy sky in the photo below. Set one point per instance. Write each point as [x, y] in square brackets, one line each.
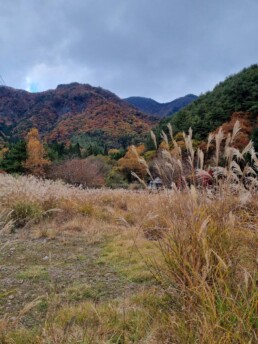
[154, 48]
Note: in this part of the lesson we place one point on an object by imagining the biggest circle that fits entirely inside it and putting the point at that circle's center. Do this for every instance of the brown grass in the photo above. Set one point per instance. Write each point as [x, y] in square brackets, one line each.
[197, 251]
[186, 259]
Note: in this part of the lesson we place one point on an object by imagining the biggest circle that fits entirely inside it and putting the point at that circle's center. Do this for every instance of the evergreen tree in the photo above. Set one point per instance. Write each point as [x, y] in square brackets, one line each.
[255, 139]
[14, 158]
[75, 151]
[238, 93]
[56, 151]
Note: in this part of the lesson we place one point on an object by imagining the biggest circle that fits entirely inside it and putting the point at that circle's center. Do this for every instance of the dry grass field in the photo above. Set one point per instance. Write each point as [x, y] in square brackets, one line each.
[117, 266]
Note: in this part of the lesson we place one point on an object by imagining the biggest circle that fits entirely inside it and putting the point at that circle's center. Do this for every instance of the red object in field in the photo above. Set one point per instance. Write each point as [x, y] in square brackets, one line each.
[206, 180]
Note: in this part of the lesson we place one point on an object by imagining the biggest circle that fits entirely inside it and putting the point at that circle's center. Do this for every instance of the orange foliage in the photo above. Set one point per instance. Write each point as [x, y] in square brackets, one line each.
[36, 161]
[246, 124]
[130, 162]
[69, 110]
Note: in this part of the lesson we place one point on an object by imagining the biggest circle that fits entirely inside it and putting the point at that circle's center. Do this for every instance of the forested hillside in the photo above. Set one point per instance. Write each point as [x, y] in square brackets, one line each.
[238, 93]
[72, 110]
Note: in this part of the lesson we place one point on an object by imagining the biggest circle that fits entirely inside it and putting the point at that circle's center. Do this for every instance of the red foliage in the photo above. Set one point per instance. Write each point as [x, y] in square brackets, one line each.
[246, 122]
[70, 109]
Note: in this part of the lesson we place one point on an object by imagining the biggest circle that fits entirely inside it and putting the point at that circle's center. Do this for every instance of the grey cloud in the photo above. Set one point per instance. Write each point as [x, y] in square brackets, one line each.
[156, 48]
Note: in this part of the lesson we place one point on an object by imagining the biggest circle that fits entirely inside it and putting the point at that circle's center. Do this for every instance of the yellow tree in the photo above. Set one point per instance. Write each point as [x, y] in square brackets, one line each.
[36, 161]
[130, 162]
[3, 151]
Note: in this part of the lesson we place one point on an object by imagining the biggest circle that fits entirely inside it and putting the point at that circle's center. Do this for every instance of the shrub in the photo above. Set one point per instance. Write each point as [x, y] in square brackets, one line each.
[25, 211]
[115, 179]
[90, 172]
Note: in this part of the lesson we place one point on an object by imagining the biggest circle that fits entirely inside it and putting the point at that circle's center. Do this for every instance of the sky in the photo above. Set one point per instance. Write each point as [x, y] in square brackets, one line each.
[161, 49]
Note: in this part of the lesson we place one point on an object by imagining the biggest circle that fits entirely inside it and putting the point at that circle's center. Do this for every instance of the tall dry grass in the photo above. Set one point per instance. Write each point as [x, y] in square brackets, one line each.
[221, 165]
[209, 267]
[209, 245]
[205, 264]
[203, 239]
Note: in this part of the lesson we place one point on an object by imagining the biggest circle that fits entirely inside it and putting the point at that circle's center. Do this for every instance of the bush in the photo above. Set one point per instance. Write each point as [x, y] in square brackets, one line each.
[115, 179]
[90, 172]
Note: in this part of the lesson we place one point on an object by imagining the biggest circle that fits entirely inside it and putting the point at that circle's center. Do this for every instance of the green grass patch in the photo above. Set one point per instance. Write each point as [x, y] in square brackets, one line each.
[130, 257]
[34, 272]
[79, 292]
[21, 336]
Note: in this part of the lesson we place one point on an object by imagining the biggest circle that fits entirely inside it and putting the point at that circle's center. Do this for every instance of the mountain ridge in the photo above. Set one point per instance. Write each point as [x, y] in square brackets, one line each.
[151, 106]
[68, 110]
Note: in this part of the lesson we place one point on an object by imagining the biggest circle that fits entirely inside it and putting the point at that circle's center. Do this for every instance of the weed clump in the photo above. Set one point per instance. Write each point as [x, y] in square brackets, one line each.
[25, 211]
[86, 209]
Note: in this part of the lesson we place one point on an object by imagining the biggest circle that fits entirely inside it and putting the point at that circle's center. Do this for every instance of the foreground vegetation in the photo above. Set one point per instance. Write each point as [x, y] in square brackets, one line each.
[175, 265]
[92, 266]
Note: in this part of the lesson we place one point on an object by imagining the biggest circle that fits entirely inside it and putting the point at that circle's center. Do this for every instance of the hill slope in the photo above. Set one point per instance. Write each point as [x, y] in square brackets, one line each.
[153, 107]
[70, 110]
[238, 93]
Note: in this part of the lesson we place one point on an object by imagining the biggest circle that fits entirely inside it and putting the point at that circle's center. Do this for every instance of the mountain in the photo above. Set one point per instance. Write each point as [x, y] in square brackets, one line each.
[237, 94]
[153, 107]
[69, 110]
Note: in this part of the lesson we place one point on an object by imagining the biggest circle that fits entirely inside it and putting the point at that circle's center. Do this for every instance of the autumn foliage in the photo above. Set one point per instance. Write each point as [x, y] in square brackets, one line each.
[36, 161]
[247, 123]
[130, 162]
[69, 110]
